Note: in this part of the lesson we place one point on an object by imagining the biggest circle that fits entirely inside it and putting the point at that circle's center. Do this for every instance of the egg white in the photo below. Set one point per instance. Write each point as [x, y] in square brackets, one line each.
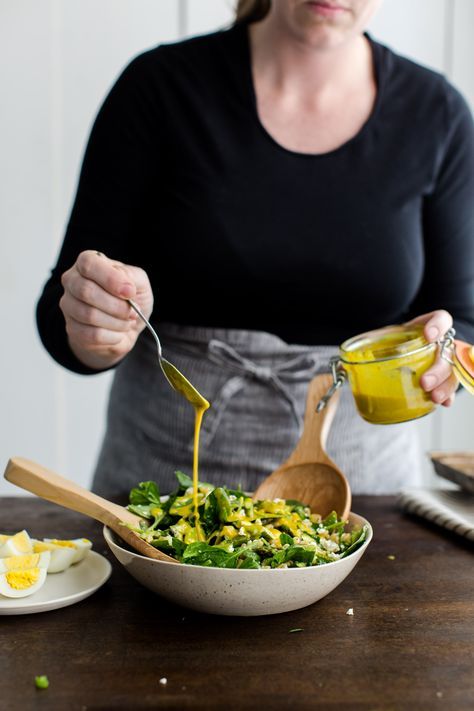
[19, 544]
[81, 546]
[61, 558]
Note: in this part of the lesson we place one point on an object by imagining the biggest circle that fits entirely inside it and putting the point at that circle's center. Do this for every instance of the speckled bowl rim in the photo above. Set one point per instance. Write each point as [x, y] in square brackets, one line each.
[109, 536]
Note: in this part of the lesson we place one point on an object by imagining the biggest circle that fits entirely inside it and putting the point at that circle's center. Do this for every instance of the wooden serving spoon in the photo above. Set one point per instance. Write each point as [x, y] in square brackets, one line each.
[308, 474]
[48, 485]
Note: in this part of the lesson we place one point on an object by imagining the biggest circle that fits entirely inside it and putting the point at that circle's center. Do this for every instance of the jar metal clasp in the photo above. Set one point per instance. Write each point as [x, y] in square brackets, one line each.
[338, 379]
[447, 345]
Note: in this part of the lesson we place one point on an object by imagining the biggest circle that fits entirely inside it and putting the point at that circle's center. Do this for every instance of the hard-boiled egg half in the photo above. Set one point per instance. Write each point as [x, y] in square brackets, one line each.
[19, 544]
[24, 561]
[22, 575]
[61, 557]
[81, 546]
[20, 583]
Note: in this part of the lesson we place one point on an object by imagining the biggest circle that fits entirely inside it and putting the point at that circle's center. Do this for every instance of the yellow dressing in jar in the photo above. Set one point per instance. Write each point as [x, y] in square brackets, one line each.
[384, 368]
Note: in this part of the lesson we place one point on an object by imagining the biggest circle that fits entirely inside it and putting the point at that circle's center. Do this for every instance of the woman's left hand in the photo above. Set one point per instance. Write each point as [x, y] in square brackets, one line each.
[439, 380]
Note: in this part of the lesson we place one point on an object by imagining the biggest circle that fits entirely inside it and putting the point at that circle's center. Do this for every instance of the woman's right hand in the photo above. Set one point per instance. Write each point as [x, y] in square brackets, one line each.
[101, 326]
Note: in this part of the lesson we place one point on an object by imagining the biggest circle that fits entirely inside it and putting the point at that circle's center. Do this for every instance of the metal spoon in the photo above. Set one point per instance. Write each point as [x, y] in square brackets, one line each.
[309, 475]
[175, 378]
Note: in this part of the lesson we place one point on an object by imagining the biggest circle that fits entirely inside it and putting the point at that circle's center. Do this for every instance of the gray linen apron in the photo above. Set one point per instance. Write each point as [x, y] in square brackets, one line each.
[257, 386]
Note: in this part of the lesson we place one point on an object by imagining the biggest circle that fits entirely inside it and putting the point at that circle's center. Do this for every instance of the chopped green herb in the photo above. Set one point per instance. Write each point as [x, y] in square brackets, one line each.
[297, 629]
[391, 557]
[42, 682]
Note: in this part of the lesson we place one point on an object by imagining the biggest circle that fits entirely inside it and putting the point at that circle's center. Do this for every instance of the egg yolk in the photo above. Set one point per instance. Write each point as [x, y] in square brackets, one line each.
[66, 544]
[22, 579]
[16, 562]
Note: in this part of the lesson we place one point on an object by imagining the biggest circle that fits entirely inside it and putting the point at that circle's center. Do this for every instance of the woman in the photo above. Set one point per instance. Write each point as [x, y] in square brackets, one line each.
[277, 187]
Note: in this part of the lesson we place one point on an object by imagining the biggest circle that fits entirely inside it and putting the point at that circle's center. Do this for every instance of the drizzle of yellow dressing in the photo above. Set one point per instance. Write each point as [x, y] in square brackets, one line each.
[199, 413]
[22, 579]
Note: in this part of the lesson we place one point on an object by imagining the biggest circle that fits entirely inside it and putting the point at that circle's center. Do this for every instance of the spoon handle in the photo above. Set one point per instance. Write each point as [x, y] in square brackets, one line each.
[312, 444]
[49, 485]
[140, 313]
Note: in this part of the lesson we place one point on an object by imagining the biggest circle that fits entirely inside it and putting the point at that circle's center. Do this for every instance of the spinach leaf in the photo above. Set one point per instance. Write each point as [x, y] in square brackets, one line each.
[357, 538]
[297, 554]
[224, 507]
[143, 510]
[209, 513]
[235, 492]
[330, 520]
[184, 481]
[250, 560]
[337, 527]
[286, 539]
[204, 554]
[171, 545]
[178, 547]
[147, 492]
[233, 559]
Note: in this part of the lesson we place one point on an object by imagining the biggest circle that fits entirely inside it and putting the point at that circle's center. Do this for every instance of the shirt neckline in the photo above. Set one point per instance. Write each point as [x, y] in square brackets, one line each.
[251, 94]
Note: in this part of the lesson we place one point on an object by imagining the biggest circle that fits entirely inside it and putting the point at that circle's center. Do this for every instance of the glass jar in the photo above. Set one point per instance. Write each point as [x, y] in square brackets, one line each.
[384, 368]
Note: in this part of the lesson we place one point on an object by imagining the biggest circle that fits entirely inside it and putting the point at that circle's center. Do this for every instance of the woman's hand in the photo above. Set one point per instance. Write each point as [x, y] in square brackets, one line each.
[439, 380]
[101, 326]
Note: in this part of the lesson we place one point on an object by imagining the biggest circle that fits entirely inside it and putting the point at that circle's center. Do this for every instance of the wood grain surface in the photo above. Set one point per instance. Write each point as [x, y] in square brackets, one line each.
[409, 644]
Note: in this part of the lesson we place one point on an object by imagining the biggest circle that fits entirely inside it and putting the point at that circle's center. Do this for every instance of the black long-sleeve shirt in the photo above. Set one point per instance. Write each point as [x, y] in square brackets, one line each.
[235, 231]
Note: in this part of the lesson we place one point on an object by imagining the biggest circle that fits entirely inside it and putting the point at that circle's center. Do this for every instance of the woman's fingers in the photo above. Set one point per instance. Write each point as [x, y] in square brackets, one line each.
[101, 326]
[440, 382]
[92, 336]
[436, 323]
[88, 315]
[91, 294]
[449, 401]
[437, 374]
[444, 394]
[112, 276]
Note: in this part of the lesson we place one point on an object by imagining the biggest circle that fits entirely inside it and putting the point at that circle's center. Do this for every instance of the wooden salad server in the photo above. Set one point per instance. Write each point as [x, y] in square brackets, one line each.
[308, 474]
[48, 485]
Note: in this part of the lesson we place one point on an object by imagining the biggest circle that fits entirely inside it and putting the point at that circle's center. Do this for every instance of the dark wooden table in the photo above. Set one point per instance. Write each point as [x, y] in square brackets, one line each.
[409, 644]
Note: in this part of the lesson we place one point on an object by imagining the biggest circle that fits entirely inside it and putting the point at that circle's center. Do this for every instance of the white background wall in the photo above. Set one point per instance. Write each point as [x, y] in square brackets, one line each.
[58, 58]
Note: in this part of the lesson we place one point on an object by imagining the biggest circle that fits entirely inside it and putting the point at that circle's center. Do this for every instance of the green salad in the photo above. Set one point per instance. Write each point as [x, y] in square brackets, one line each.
[234, 531]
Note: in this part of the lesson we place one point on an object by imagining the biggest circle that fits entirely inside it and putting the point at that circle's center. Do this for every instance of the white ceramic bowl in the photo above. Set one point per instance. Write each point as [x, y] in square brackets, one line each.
[230, 591]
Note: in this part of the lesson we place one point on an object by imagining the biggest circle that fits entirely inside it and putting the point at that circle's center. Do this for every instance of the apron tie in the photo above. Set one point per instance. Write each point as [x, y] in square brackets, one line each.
[300, 368]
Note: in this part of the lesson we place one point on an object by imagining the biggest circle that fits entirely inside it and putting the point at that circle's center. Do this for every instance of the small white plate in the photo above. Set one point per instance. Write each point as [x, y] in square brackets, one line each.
[62, 589]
